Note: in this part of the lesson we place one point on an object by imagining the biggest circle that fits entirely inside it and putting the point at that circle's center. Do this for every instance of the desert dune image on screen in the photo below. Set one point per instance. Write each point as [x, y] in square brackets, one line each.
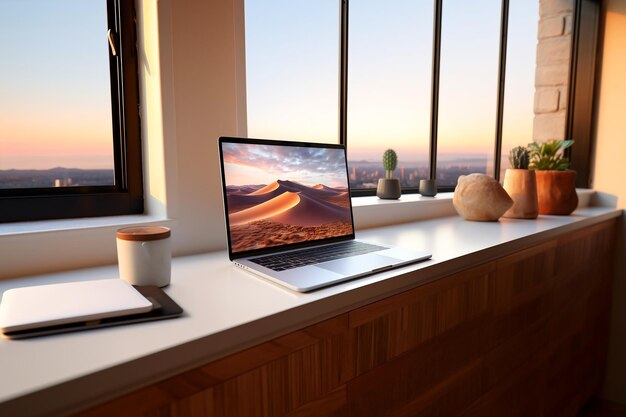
[279, 195]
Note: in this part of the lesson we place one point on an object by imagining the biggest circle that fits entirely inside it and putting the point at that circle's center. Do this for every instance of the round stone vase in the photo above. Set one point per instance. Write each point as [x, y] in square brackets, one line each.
[478, 197]
[521, 186]
[388, 188]
[556, 192]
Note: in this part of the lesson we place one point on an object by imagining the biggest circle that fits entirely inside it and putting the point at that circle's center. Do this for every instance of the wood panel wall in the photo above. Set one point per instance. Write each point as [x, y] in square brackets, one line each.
[523, 335]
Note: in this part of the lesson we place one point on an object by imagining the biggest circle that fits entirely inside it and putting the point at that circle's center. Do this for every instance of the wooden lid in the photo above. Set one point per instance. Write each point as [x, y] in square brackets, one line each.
[143, 233]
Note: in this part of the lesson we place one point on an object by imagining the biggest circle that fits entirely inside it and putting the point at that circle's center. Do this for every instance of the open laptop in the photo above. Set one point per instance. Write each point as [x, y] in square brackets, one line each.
[289, 215]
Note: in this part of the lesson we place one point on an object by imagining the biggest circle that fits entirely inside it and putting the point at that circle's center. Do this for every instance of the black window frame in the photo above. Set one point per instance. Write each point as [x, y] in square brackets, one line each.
[126, 195]
[580, 99]
[584, 65]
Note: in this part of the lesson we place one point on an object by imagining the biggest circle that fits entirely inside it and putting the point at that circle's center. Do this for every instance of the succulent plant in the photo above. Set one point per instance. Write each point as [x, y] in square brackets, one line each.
[549, 155]
[519, 157]
[390, 161]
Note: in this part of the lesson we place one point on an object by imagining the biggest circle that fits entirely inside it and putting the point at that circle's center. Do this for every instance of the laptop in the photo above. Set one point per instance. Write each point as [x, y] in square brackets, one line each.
[289, 215]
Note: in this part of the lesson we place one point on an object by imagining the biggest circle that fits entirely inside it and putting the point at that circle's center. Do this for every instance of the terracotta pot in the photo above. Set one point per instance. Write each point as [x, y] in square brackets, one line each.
[521, 185]
[556, 192]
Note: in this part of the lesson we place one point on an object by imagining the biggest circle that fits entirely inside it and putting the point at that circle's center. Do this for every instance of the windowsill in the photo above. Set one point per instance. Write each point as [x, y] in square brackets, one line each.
[368, 212]
[404, 199]
[48, 226]
[417, 200]
[61, 245]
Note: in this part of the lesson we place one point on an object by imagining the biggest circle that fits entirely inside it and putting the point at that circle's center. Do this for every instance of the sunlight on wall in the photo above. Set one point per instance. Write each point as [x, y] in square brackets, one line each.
[608, 176]
[610, 170]
[152, 123]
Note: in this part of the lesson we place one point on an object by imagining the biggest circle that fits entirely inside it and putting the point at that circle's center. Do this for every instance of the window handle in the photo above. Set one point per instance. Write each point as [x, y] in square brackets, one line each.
[112, 43]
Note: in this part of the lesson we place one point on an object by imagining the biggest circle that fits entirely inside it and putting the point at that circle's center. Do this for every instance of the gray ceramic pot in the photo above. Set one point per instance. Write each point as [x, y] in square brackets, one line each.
[388, 188]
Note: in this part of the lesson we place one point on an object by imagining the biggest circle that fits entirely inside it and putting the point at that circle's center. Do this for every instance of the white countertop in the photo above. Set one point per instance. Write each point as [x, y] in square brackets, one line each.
[228, 309]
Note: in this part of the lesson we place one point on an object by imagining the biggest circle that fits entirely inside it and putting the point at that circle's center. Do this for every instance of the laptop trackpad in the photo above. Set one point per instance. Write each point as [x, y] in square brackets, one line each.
[359, 264]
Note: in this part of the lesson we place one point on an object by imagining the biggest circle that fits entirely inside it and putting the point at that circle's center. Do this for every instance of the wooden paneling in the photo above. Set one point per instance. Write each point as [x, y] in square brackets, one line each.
[270, 379]
[388, 328]
[524, 335]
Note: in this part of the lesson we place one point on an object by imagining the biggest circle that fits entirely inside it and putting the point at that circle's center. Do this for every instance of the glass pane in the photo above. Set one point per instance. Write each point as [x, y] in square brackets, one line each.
[519, 93]
[470, 42]
[292, 69]
[389, 80]
[55, 94]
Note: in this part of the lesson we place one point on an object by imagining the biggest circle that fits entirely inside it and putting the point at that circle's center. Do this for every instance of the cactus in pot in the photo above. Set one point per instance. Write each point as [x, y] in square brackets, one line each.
[389, 187]
[521, 185]
[390, 162]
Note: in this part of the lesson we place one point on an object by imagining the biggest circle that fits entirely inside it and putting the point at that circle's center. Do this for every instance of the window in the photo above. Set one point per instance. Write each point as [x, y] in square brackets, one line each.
[292, 67]
[389, 77]
[69, 124]
[448, 84]
[519, 92]
[470, 37]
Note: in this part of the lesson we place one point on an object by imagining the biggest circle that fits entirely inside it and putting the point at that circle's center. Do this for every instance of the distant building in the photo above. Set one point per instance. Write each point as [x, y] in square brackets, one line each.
[62, 182]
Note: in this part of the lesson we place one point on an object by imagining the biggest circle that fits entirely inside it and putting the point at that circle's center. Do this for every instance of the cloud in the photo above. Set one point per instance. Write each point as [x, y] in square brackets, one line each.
[286, 159]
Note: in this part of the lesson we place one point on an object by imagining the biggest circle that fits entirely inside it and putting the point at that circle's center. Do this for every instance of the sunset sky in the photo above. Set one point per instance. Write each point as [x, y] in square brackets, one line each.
[55, 105]
[292, 72]
[246, 164]
[55, 92]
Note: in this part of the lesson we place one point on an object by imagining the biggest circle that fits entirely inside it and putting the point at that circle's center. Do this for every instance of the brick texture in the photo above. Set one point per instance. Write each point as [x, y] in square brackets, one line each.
[549, 126]
[554, 50]
[550, 75]
[546, 100]
[554, 7]
[554, 35]
[550, 27]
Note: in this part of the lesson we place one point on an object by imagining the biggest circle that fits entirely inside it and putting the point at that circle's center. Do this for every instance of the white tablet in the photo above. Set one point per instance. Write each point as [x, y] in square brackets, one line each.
[50, 305]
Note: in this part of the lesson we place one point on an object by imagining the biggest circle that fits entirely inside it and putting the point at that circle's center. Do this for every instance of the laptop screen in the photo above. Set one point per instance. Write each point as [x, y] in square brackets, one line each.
[279, 194]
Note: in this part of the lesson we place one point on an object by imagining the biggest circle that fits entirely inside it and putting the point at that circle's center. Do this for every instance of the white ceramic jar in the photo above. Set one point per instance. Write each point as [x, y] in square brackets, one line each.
[144, 255]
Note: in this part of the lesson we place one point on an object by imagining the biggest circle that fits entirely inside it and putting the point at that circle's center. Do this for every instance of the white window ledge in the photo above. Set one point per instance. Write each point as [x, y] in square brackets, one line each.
[51, 226]
[374, 212]
[368, 211]
[31, 248]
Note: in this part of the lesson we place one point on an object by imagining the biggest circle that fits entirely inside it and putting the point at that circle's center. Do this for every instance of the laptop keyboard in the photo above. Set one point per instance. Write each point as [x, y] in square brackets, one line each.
[290, 260]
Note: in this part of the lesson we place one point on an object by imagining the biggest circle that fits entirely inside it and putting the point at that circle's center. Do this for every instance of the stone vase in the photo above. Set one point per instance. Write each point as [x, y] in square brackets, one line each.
[388, 188]
[521, 186]
[478, 197]
[556, 192]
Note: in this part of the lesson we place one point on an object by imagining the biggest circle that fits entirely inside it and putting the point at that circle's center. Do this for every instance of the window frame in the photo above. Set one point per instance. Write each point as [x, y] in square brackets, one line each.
[584, 66]
[580, 100]
[126, 196]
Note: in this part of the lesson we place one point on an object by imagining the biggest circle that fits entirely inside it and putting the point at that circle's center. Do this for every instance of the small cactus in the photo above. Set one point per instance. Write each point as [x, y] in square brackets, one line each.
[519, 157]
[390, 161]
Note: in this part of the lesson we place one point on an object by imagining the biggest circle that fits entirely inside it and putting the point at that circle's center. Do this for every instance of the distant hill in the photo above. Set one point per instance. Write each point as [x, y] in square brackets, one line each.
[55, 177]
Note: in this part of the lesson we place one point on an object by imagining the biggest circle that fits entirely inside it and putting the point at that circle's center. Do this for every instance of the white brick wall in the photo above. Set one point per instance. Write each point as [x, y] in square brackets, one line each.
[554, 35]
[551, 26]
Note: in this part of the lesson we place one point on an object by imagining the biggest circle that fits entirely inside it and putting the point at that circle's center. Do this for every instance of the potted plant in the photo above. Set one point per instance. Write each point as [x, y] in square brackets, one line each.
[556, 192]
[389, 187]
[521, 185]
